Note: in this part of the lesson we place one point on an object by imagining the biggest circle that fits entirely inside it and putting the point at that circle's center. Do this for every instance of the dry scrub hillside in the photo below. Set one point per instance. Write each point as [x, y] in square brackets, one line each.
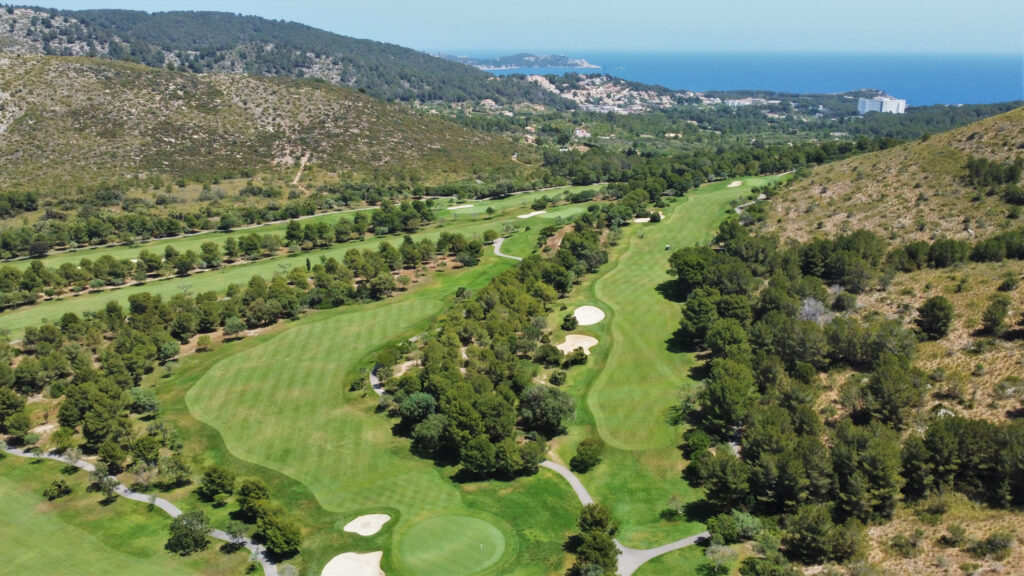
[67, 121]
[914, 191]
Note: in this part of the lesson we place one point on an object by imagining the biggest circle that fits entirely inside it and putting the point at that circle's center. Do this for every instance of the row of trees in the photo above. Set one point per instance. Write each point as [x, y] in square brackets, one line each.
[771, 327]
[19, 287]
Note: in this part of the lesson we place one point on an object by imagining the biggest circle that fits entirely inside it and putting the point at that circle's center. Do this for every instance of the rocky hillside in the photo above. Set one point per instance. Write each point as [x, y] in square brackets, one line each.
[69, 121]
[223, 42]
[915, 191]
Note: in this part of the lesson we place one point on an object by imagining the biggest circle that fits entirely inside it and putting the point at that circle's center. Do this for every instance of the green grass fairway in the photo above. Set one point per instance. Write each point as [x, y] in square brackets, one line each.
[281, 402]
[286, 404]
[633, 378]
[642, 377]
[450, 546]
[77, 535]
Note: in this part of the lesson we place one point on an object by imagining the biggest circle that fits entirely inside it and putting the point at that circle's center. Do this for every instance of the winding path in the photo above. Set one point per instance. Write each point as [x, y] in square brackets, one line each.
[630, 559]
[497, 250]
[269, 568]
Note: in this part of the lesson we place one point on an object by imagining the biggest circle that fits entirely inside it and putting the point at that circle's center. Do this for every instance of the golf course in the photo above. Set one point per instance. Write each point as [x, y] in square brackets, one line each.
[284, 403]
[281, 405]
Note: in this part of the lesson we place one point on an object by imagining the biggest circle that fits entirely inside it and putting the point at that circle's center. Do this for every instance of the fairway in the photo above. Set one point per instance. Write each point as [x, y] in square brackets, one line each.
[643, 377]
[282, 401]
[285, 404]
[77, 535]
[633, 378]
[450, 546]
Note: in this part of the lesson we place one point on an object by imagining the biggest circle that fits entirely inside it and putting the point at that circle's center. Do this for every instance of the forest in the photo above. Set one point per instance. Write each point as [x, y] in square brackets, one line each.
[773, 318]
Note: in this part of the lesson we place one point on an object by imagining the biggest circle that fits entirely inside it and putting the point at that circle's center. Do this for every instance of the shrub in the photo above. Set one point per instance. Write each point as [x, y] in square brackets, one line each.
[935, 317]
[996, 546]
[558, 378]
[569, 322]
[588, 455]
[58, 489]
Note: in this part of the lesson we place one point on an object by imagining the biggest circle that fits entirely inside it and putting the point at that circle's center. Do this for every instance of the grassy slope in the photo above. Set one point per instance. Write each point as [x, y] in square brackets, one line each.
[78, 535]
[79, 120]
[634, 376]
[910, 192]
[470, 224]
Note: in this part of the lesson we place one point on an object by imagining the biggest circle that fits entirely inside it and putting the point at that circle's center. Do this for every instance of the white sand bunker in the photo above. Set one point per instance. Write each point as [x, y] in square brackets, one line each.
[460, 206]
[574, 341]
[367, 525]
[588, 315]
[532, 214]
[735, 184]
[648, 219]
[353, 564]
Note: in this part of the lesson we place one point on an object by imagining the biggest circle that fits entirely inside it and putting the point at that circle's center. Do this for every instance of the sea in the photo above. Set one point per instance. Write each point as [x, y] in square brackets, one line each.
[920, 79]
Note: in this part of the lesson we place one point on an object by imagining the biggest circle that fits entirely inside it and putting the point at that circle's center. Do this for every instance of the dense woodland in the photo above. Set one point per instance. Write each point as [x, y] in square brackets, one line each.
[773, 318]
[219, 41]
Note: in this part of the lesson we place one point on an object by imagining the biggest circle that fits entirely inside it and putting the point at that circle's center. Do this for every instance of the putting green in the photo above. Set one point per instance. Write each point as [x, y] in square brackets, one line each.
[450, 546]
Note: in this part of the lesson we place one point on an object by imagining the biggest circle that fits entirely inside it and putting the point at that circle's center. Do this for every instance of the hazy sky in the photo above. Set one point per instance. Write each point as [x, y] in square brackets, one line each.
[966, 26]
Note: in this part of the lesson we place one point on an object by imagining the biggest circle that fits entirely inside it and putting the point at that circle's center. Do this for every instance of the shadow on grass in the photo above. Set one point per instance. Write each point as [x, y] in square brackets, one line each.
[669, 290]
[698, 511]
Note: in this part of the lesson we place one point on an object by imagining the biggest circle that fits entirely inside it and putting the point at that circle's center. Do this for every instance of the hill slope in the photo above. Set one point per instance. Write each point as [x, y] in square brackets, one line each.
[67, 121]
[914, 191]
[223, 42]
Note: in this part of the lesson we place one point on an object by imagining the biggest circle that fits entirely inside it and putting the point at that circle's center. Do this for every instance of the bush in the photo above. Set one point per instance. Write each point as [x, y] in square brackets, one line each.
[844, 302]
[58, 489]
[588, 455]
[569, 322]
[935, 317]
[558, 378]
[996, 546]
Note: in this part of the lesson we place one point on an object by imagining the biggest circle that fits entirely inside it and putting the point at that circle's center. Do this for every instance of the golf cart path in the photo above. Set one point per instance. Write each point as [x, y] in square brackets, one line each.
[631, 558]
[269, 568]
[497, 250]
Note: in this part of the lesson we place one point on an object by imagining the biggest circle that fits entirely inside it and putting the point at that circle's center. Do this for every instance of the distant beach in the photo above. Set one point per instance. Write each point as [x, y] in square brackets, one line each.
[921, 80]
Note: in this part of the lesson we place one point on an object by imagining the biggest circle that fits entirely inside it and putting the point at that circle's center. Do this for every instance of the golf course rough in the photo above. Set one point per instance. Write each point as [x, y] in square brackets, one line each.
[450, 546]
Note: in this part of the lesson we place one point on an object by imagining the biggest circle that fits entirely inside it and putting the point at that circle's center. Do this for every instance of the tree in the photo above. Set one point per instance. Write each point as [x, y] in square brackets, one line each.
[543, 408]
[279, 533]
[993, 320]
[596, 552]
[935, 317]
[588, 455]
[216, 480]
[478, 455]
[720, 558]
[189, 533]
[252, 492]
[233, 325]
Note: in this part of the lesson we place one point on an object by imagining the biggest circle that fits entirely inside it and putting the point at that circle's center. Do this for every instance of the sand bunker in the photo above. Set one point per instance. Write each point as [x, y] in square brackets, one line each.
[735, 184]
[588, 315]
[460, 206]
[574, 341]
[532, 214]
[367, 525]
[648, 219]
[353, 564]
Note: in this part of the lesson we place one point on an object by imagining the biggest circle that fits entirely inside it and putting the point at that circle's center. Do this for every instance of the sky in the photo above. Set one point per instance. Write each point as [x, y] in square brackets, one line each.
[567, 26]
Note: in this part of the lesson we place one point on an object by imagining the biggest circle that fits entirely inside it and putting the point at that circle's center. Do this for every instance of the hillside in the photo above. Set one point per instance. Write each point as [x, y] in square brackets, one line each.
[68, 121]
[914, 191]
[223, 42]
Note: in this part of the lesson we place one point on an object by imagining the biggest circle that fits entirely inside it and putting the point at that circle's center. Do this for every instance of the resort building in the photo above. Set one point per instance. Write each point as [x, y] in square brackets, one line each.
[881, 104]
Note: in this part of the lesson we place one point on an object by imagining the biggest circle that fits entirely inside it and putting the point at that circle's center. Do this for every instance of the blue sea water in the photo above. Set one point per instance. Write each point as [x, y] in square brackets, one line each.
[921, 80]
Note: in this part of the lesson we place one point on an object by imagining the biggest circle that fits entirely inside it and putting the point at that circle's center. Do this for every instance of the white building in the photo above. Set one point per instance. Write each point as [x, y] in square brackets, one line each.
[881, 104]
